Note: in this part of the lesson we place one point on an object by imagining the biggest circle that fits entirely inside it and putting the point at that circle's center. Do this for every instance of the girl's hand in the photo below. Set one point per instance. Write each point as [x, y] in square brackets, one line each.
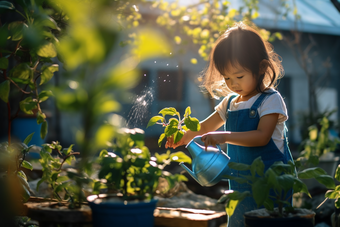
[213, 138]
[170, 142]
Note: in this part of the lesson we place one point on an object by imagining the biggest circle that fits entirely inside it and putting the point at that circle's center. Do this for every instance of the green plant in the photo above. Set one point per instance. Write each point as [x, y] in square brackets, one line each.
[319, 143]
[27, 47]
[131, 170]
[273, 185]
[62, 181]
[334, 193]
[175, 126]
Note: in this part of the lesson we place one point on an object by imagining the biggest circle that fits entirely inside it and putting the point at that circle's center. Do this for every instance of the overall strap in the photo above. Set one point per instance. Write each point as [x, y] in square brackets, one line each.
[257, 103]
[228, 106]
[229, 101]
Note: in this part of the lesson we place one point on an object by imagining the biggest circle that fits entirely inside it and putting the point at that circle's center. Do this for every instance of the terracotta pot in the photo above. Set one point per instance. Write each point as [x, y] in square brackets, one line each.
[50, 213]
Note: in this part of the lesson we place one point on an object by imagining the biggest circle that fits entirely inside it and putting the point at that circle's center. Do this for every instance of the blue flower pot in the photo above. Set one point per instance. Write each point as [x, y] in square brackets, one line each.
[110, 211]
[22, 127]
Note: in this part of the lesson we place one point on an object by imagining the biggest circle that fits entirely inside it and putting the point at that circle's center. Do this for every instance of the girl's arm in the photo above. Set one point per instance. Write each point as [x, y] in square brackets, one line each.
[211, 123]
[259, 137]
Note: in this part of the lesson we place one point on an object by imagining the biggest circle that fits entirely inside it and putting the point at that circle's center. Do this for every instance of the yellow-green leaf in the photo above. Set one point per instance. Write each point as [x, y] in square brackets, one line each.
[47, 50]
[43, 130]
[4, 90]
[47, 73]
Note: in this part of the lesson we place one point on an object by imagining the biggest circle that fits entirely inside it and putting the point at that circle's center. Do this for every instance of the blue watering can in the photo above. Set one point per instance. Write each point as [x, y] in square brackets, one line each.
[208, 167]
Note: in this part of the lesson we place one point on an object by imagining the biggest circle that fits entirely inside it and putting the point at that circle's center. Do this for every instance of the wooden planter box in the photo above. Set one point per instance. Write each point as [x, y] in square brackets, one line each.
[184, 217]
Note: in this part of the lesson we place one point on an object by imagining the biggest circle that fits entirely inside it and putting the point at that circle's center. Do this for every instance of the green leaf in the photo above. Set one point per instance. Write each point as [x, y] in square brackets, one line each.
[4, 90]
[168, 111]
[170, 130]
[103, 153]
[257, 167]
[69, 150]
[44, 95]
[28, 138]
[3, 63]
[6, 5]
[260, 191]
[16, 30]
[286, 181]
[44, 129]
[27, 165]
[239, 180]
[178, 136]
[180, 157]
[332, 194]
[47, 73]
[238, 166]
[27, 105]
[154, 119]
[40, 118]
[271, 177]
[187, 111]
[311, 173]
[269, 204]
[337, 173]
[326, 180]
[47, 50]
[161, 137]
[22, 71]
[62, 179]
[192, 123]
[299, 186]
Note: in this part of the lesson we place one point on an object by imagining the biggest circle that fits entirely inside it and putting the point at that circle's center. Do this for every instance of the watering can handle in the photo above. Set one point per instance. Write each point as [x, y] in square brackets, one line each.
[198, 139]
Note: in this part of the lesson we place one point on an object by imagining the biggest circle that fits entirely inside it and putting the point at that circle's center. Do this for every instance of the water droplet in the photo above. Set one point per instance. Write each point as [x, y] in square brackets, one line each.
[170, 53]
[155, 61]
[167, 64]
[167, 75]
[177, 66]
[144, 74]
[164, 80]
[139, 110]
[169, 80]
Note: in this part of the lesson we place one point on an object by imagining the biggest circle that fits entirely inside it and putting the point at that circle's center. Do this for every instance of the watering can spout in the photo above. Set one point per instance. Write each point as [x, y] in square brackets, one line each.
[189, 171]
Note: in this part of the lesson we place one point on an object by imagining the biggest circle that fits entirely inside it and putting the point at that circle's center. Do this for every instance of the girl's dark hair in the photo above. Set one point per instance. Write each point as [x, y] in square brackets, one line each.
[241, 45]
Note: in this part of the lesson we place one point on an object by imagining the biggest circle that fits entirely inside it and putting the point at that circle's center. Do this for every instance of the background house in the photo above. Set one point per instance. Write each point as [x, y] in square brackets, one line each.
[173, 80]
[319, 27]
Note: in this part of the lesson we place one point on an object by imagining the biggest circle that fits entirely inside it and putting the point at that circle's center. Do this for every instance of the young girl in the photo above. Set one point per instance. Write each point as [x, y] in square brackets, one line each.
[244, 68]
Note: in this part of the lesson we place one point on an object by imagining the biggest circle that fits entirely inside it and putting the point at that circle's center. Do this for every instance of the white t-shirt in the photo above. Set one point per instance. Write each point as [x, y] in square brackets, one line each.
[271, 104]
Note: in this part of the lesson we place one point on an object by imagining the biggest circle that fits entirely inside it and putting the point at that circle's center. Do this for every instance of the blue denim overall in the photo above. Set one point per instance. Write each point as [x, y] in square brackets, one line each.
[248, 120]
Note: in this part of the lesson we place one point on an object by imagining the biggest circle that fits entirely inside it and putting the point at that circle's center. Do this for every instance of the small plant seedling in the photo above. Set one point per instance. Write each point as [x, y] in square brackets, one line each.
[174, 126]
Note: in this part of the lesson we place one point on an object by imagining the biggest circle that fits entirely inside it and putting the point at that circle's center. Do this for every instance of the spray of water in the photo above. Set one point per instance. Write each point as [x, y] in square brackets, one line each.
[138, 114]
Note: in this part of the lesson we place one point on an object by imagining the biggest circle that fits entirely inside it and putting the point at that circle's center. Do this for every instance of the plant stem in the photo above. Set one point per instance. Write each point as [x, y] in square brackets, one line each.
[9, 123]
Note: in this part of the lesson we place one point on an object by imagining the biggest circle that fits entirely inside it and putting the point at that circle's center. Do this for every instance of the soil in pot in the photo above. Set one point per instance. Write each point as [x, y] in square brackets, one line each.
[264, 218]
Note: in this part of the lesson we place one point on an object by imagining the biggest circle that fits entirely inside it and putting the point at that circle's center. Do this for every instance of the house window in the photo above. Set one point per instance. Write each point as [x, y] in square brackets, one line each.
[169, 85]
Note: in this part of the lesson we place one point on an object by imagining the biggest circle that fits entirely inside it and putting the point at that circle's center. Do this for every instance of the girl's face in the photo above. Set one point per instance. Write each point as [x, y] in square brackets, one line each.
[240, 81]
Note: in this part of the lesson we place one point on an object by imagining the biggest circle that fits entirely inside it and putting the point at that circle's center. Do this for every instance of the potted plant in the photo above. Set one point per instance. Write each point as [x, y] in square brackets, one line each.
[319, 150]
[271, 190]
[62, 207]
[334, 194]
[131, 177]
